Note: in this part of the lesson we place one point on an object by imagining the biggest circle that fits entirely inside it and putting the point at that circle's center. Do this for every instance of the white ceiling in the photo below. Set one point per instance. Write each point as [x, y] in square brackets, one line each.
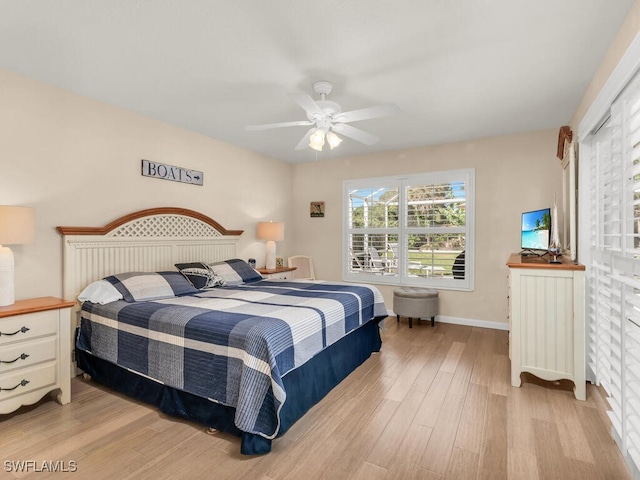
[458, 70]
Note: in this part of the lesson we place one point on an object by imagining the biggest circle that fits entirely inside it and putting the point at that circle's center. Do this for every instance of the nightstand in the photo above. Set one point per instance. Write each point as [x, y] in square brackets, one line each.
[35, 352]
[278, 273]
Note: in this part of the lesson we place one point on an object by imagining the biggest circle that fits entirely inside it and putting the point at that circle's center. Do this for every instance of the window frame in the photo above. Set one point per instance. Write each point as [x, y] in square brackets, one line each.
[467, 176]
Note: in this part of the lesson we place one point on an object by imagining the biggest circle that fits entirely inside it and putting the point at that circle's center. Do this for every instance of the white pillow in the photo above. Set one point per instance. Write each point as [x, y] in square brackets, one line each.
[100, 292]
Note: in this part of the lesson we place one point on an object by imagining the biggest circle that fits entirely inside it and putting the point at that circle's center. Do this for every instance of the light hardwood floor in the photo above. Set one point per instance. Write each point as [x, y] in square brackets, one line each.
[436, 403]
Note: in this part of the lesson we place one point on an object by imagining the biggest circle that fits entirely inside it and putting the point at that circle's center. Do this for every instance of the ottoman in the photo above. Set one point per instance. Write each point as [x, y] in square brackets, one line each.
[415, 302]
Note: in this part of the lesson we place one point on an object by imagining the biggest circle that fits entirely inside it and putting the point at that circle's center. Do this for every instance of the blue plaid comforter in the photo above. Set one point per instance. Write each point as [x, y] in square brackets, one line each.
[232, 345]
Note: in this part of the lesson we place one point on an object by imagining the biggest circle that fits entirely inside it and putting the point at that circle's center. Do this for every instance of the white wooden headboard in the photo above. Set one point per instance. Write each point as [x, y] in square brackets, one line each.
[145, 241]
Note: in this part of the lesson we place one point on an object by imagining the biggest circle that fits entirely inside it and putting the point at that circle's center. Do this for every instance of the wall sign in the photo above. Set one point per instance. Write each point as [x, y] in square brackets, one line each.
[171, 172]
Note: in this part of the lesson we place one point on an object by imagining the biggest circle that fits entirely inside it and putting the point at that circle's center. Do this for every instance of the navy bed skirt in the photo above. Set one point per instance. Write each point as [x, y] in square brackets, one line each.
[305, 386]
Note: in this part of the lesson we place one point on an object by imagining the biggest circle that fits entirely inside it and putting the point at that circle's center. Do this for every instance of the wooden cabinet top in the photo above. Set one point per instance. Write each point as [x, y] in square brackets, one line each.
[265, 271]
[32, 305]
[519, 261]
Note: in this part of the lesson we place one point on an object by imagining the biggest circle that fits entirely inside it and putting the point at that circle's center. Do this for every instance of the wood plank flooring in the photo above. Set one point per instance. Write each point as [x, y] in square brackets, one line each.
[436, 403]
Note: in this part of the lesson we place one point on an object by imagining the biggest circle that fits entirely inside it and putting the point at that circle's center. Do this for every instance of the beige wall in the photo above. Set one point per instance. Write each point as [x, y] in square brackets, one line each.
[628, 31]
[77, 161]
[514, 173]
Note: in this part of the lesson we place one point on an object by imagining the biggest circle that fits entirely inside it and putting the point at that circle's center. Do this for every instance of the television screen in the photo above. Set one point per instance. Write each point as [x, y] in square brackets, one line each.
[536, 229]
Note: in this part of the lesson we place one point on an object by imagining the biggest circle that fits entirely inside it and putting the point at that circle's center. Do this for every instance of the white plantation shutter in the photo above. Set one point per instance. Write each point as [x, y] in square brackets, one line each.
[415, 229]
[613, 269]
[372, 225]
[422, 195]
[631, 280]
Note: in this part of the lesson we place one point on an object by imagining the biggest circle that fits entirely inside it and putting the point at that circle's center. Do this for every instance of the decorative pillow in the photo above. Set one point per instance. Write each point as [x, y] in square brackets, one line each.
[100, 292]
[140, 286]
[200, 275]
[235, 272]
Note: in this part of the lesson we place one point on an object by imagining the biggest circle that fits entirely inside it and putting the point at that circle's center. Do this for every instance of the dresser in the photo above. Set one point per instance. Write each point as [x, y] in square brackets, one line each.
[35, 352]
[278, 273]
[546, 320]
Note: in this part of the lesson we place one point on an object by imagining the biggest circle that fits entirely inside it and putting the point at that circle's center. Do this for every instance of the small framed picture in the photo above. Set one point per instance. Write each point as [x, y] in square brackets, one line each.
[317, 209]
[279, 262]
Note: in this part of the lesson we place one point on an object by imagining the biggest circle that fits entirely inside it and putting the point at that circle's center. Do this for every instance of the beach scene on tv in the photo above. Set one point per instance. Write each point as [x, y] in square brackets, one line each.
[535, 229]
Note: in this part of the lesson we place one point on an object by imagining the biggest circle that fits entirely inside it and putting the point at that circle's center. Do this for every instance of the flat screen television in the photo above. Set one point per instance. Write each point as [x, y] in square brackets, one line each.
[536, 230]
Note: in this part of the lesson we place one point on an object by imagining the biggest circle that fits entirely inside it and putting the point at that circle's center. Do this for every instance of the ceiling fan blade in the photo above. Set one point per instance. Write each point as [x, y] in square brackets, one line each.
[304, 143]
[253, 128]
[378, 111]
[355, 133]
[307, 103]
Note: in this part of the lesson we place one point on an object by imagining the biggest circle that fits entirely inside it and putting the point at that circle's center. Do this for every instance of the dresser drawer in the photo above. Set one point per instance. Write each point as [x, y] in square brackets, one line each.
[28, 326]
[35, 352]
[25, 380]
[24, 354]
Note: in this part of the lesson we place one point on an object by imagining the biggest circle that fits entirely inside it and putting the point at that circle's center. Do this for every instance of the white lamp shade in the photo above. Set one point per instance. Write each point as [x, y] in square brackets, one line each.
[271, 231]
[17, 225]
[333, 140]
[316, 141]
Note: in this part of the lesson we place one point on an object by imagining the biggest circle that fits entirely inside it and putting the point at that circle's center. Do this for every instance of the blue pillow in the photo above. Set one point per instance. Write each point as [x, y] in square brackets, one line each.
[141, 286]
[235, 272]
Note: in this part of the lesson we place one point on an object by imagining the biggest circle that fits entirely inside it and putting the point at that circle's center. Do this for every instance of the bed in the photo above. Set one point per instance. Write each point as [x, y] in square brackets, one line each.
[247, 357]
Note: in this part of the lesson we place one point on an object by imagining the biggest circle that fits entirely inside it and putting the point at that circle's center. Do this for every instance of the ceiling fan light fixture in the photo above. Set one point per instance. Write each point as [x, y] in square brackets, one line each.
[333, 140]
[324, 116]
[316, 141]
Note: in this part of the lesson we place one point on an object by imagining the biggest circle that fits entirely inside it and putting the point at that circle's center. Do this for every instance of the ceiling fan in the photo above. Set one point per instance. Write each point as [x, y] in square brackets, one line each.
[328, 119]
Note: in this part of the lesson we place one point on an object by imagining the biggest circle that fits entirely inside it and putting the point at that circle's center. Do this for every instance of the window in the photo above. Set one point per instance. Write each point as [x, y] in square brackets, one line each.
[612, 255]
[415, 229]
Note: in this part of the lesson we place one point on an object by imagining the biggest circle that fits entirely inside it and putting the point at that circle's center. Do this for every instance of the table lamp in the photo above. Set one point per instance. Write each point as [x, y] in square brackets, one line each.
[272, 232]
[17, 226]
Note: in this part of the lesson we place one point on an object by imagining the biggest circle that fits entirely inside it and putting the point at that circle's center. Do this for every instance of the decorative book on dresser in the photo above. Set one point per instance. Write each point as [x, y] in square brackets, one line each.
[35, 352]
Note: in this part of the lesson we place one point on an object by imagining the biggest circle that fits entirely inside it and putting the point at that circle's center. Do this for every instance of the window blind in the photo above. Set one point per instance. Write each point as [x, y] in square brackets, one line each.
[613, 273]
[416, 229]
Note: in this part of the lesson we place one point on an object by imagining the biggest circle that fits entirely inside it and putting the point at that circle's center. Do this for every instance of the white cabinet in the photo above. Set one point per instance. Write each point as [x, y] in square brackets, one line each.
[35, 352]
[547, 329]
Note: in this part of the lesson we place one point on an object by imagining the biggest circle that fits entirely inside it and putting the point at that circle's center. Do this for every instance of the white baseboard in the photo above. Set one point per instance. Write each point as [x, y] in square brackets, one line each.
[471, 322]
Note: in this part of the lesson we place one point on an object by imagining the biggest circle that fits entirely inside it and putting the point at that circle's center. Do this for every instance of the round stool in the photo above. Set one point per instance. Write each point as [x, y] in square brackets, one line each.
[415, 302]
